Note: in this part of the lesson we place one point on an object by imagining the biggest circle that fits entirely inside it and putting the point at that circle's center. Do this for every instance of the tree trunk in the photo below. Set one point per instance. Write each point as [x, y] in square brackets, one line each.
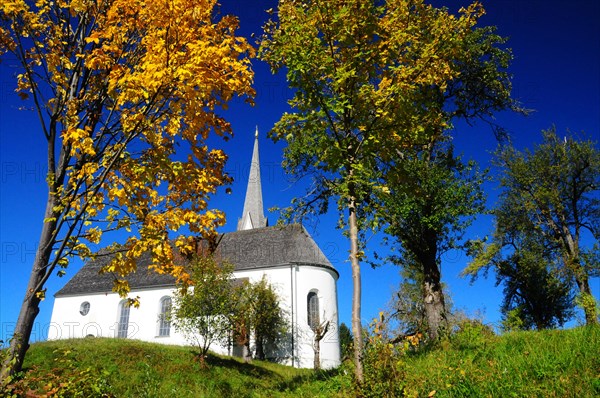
[589, 307]
[30, 307]
[356, 293]
[435, 309]
[433, 297]
[317, 350]
[260, 351]
[320, 332]
[246, 351]
[571, 257]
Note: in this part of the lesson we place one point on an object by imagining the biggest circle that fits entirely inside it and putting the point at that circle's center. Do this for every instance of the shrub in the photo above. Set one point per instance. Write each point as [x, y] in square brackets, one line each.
[471, 334]
[66, 379]
[384, 364]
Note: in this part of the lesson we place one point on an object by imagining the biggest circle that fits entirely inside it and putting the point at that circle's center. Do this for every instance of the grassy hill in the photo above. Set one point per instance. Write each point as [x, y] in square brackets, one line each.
[469, 364]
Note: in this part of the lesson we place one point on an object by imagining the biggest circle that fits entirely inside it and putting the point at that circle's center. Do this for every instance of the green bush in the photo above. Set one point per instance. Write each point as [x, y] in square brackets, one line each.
[384, 365]
[471, 334]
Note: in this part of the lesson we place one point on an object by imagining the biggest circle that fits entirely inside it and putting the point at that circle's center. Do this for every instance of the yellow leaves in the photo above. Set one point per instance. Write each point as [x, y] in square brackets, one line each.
[41, 295]
[79, 141]
[158, 71]
[13, 7]
[93, 235]
[118, 194]
[93, 38]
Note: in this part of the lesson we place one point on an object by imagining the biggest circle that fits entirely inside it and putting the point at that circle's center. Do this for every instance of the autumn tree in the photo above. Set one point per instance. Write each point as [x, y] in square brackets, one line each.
[548, 214]
[117, 87]
[433, 197]
[202, 311]
[368, 78]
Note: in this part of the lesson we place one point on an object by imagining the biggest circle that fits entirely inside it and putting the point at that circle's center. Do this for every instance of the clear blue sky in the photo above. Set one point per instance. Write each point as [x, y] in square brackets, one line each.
[556, 71]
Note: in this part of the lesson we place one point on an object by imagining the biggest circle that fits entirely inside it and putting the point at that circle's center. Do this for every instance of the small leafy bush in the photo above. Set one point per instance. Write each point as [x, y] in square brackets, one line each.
[66, 379]
[384, 364]
[471, 334]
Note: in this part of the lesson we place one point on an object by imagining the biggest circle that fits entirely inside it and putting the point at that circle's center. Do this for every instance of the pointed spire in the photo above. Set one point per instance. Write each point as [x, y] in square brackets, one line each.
[253, 215]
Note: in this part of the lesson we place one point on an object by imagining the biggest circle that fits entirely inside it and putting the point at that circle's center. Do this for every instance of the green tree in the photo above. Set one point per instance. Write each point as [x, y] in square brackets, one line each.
[203, 311]
[433, 197]
[345, 341]
[118, 87]
[268, 319]
[536, 293]
[550, 201]
[255, 312]
[370, 80]
[407, 309]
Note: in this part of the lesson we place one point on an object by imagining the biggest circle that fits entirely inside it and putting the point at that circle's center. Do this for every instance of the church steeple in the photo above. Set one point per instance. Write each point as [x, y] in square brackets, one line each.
[253, 215]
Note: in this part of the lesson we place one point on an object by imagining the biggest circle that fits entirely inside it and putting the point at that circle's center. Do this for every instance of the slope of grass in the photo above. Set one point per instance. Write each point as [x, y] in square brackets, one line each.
[549, 363]
[130, 368]
[469, 364]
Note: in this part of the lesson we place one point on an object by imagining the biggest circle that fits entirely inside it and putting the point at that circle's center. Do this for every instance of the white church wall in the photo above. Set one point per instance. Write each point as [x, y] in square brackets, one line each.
[323, 282]
[102, 318]
[299, 280]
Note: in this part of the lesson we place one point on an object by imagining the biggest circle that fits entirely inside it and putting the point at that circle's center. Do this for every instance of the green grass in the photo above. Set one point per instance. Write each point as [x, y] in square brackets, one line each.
[471, 364]
[139, 369]
[550, 363]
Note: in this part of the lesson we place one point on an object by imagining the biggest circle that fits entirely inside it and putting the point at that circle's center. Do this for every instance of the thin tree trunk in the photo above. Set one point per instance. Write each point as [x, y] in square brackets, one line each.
[356, 293]
[320, 332]
[19, 343]
[260, 351]
[246, 351]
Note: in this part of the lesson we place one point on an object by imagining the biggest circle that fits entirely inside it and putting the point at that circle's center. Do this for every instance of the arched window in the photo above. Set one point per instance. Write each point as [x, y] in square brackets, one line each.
[312, 306]
[123, 319]
[164, 323]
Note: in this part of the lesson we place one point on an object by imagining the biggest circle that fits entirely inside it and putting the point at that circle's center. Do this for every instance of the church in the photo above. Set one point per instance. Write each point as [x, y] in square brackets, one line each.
[291, 261]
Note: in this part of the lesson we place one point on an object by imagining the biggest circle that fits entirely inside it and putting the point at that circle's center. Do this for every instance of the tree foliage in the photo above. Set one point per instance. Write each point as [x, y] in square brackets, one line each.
[270, 325]
[257, 313]
[202, 312]
[221, 309]
[345, 341]
[433, 197]
[547, 221]
[371, 79]
[119, 87]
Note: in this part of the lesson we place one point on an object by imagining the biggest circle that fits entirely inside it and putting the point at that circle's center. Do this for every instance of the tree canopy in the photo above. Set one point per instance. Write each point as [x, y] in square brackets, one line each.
[549, 211]
[371, 79]
[202, 312]
[126, 93]
[433, 197]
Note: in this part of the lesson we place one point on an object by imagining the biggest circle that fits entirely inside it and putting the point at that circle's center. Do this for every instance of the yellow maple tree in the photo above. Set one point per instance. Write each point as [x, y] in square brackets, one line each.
[127, 94]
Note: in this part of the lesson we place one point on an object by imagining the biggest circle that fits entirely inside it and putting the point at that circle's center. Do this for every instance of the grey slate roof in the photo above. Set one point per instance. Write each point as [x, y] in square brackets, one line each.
[246, 250]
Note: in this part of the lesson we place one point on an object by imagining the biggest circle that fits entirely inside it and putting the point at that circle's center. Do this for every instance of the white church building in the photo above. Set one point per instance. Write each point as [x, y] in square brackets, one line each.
[286, 255]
